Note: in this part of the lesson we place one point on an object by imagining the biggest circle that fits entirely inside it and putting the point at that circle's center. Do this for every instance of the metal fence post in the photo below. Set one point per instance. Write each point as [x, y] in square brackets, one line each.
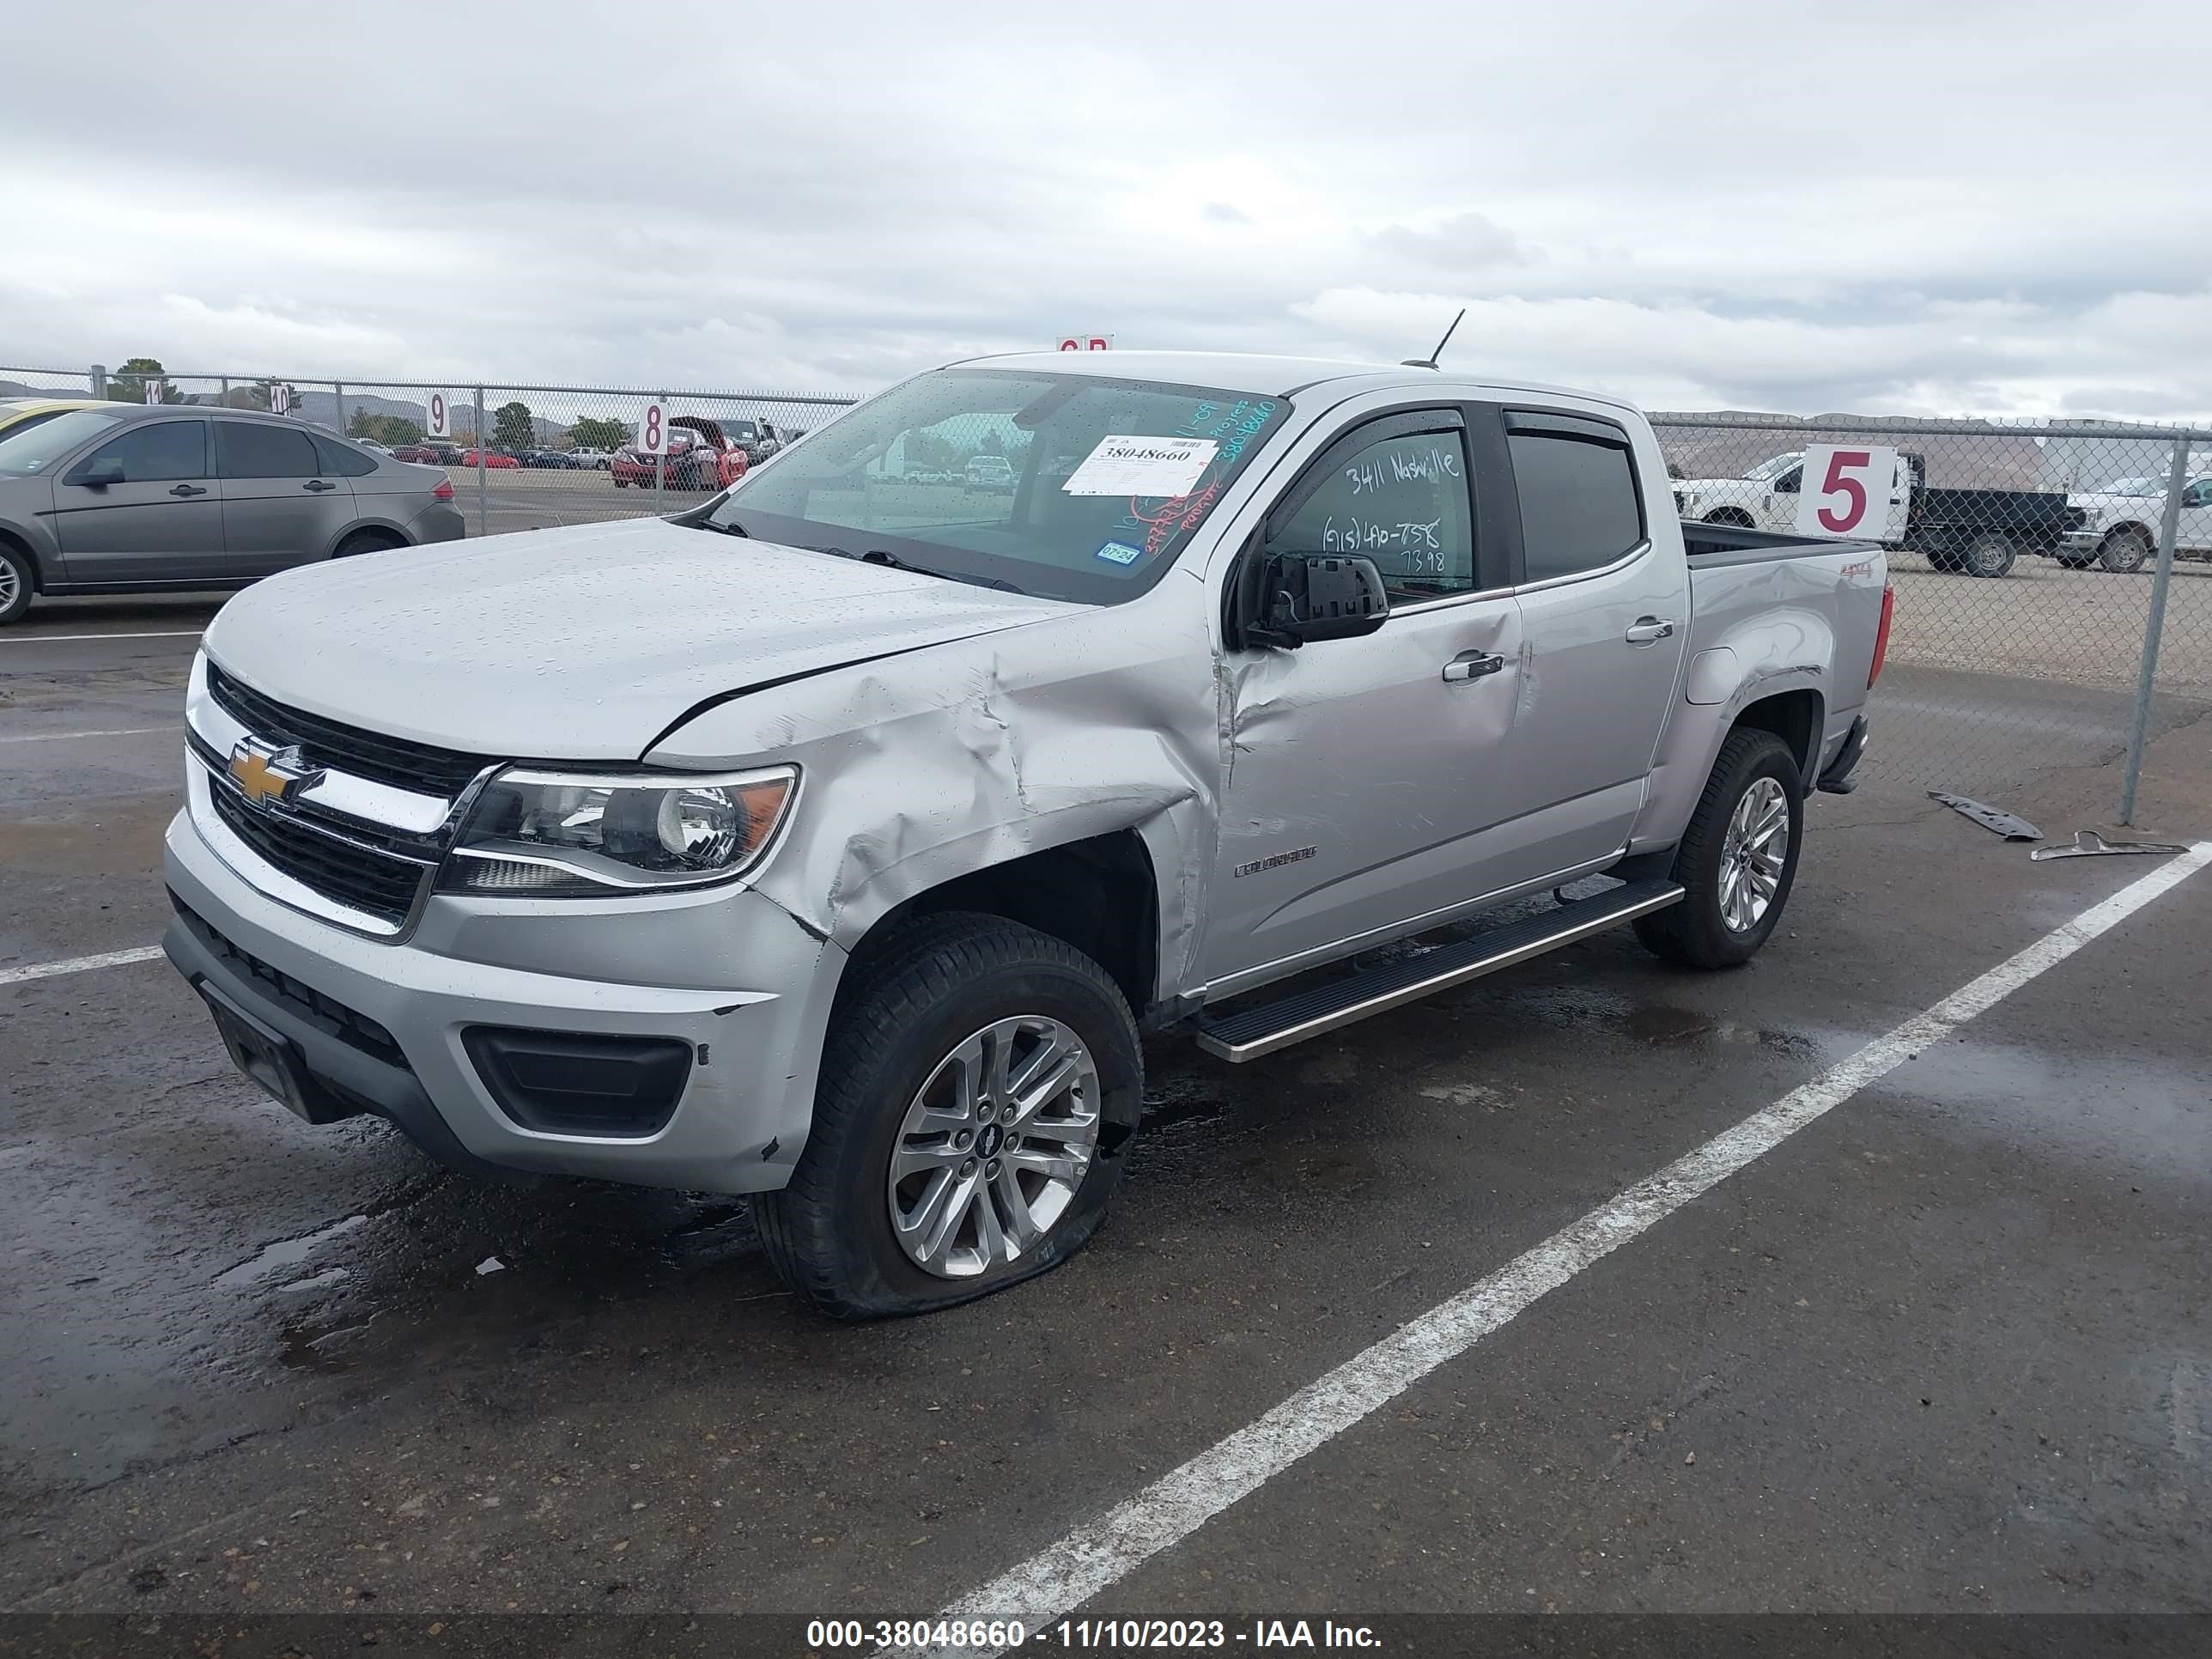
[2177, 479]
[97, 377]
[338, 387]
[483, 490]
[660, 461]
[224, 397]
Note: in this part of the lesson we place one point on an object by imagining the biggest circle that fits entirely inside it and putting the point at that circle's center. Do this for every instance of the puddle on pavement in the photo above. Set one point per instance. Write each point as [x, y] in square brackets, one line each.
[285, 1253]
[1591, 1007]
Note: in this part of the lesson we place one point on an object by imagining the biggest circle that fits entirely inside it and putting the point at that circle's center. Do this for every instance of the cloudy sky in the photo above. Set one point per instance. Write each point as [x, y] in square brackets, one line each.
[1927, 207]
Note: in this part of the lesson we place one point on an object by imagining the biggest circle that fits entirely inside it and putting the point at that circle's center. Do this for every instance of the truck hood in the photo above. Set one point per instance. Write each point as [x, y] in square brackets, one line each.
[583, 643]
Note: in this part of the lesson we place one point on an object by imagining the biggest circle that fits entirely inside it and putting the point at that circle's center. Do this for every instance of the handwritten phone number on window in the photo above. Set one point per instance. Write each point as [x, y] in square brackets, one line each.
[1420, 545]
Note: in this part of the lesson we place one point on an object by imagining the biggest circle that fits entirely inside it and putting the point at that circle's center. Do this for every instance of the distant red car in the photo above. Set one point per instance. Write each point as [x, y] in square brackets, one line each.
[700, 457]
[493, 459]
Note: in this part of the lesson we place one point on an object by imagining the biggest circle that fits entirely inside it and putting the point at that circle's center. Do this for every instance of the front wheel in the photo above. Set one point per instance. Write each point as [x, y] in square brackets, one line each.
[14, 583]
[981, 1086]
[1738, 858]
[2125, 551]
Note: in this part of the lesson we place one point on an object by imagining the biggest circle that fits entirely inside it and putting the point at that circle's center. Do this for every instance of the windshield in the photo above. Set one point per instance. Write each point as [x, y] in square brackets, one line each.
[27, 450]
[1773, 469]
[1062, 486]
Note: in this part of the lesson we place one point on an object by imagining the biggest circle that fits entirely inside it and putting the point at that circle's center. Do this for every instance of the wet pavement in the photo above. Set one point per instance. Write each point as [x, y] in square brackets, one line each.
[1950, 1348]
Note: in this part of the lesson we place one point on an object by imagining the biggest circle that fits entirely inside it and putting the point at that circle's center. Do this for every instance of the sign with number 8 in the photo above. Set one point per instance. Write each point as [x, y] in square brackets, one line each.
[653, 431]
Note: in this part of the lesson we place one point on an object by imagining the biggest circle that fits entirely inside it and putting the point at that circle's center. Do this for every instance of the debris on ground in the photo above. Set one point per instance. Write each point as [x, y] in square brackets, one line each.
[2010, 825]
[2088, 844]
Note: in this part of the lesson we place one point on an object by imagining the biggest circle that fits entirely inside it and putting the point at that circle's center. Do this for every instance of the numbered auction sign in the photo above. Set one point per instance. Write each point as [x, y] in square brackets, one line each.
[280, 399]
[438, 424]
[1085, 343]
[153, 392]
[1846, 490]
[653, 431]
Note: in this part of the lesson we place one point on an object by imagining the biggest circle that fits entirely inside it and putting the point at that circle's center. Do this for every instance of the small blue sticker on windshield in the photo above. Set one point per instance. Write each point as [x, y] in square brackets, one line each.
[1120, 553]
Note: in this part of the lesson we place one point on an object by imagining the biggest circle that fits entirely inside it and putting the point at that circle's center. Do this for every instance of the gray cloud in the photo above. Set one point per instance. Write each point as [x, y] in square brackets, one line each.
[1696, 204]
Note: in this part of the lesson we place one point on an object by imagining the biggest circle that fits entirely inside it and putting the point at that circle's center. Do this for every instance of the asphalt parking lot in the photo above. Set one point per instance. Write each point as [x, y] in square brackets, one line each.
[1946, 1348]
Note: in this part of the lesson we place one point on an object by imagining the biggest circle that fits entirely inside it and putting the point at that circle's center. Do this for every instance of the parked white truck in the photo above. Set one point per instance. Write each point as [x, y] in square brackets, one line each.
[834, 839]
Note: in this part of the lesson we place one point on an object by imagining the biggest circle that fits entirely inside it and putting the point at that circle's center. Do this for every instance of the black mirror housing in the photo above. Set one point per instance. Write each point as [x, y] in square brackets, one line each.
[1310, 596]
[97, 474]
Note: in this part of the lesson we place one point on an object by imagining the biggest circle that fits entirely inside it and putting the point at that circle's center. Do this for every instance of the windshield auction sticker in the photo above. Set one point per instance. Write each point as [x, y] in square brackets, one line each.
[1124, 465]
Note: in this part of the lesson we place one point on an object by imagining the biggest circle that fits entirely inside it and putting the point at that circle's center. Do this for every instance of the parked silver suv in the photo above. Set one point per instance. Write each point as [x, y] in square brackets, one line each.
[140, 498]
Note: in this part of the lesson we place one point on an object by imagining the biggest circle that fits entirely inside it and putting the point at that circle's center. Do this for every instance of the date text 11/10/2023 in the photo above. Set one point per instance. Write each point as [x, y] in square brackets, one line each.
[1082, 1635]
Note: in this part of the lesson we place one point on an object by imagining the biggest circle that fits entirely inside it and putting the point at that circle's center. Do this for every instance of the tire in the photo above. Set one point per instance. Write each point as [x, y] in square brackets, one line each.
[1698, 932]
[941, 985]
[368, 541]
[2125, 551]
[1989, 555]
[17, 578]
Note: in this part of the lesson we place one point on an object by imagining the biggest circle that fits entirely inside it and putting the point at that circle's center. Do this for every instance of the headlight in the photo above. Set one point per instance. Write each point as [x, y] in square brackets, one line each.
[548, 834]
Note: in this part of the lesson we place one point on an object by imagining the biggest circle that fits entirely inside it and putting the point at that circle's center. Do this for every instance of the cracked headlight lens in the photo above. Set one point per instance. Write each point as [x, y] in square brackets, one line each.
[575, 834]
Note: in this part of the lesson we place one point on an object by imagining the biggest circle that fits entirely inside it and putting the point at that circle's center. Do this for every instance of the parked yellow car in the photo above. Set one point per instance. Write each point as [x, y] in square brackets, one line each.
[20, 414]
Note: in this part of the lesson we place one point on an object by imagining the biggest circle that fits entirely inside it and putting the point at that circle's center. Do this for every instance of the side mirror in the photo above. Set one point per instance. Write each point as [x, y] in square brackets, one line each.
[97, 474]
[1299, 598]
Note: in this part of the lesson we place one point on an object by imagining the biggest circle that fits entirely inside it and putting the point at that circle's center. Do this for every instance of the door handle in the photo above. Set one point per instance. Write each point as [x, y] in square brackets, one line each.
[1650, 630]
[1472, 665]
[187, 489]
[318, 486]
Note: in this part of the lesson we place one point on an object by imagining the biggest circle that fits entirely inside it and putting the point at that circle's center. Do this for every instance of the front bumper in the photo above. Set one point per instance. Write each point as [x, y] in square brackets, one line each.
[753, 1011]
[2082, 541]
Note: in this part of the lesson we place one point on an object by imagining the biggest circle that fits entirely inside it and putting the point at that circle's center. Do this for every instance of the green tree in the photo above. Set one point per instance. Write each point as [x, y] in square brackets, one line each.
[390, 430]
[599, 431]
[127, 385]
[512, 429]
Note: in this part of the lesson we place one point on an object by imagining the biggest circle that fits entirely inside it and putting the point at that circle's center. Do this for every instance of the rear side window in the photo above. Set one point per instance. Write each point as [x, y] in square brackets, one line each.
[247, 449]
[1580, 507]
[344, 459]
[157, 452]
[1403, 501]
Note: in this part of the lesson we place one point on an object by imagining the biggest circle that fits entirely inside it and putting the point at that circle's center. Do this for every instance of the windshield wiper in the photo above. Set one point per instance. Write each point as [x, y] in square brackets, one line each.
[891, 560]
[727, 526]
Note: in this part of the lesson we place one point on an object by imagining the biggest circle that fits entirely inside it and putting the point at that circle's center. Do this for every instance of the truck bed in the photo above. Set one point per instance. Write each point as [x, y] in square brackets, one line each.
[1713, 546]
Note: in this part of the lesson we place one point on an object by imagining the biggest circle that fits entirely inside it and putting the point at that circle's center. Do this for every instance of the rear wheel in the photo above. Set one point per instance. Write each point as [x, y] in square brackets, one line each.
[368, 541]
[15, 582]
[1738, 858]
[981, 1085]
[2125, 551]
[1988, 553]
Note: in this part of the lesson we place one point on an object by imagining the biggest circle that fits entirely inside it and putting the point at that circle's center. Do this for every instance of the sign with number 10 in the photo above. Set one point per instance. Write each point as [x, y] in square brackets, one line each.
[653, 431]
[1847, 490]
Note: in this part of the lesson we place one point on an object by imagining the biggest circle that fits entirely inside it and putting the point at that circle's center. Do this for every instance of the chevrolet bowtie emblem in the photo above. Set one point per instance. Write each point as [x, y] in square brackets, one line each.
[263, 774]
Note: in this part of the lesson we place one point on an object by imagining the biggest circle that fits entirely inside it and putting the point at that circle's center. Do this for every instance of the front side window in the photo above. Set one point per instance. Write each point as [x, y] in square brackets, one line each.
[1063, 486]
[158, 453]
[248, 449]
[1579, 505]
[1401, 501]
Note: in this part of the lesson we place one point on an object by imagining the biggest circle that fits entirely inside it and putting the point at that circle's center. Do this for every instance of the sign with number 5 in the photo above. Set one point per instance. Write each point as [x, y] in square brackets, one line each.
[651, 431]
[1846, 490]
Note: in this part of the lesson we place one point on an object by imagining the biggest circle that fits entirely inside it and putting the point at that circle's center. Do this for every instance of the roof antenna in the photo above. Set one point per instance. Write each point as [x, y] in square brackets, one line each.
[1430, 361]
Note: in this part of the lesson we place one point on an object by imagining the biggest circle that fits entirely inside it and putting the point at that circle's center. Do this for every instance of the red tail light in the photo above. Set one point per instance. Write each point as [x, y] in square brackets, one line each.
[443, 492]
[1881, 634]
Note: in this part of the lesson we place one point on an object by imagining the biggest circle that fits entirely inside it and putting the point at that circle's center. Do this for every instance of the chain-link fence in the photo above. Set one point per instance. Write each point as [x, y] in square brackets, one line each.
[2035, 563]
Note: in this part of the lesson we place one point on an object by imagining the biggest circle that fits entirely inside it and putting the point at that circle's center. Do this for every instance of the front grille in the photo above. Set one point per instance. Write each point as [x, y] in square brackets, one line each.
[420, 767]
[348, 1026]
[357, 877]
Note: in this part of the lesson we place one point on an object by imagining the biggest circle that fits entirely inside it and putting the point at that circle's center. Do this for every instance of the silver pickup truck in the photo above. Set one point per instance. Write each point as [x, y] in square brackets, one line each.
[834, 839]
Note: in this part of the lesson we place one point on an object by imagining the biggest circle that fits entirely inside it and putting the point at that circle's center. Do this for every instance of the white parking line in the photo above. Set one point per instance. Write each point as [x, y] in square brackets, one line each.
[79, 964]
[118, 731]
[167, 633]
[1053, 1583]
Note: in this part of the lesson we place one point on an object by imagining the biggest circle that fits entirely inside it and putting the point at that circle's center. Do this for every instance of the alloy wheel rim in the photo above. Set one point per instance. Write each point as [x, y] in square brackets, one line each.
[10, 586]
[1754, 851]
[993, 1147]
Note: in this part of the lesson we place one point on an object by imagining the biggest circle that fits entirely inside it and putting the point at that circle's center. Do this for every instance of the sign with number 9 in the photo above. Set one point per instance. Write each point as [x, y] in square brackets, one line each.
[1848, 490]
[438, 426]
